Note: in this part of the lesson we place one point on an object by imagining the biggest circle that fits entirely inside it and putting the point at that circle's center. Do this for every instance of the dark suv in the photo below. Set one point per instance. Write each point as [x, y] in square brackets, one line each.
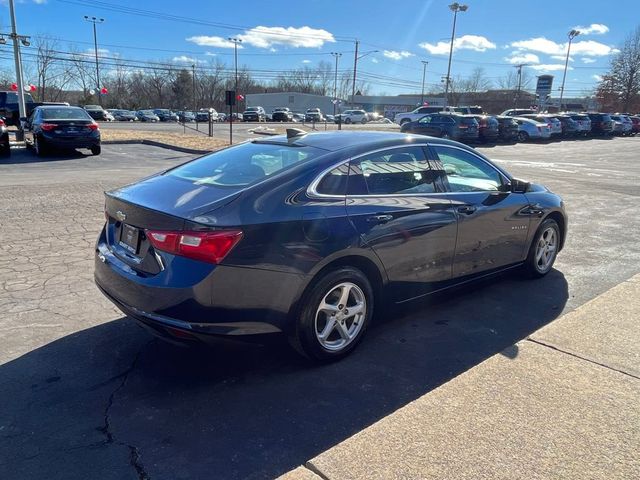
[488, 127]
[445, 125]
[601, 124]
[507, 129]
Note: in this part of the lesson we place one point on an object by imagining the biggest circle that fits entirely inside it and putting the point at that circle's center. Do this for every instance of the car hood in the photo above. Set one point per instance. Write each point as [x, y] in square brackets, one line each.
[177, 197]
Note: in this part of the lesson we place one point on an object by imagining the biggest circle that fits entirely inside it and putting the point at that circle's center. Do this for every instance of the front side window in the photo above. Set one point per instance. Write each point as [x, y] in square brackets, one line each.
[395, 171]
[466, 172]
[426, 119]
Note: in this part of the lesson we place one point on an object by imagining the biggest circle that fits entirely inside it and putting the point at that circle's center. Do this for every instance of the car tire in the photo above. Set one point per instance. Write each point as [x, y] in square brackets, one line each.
[403, 121]
[523, 136]
[347, 121]
[543, 250]
[325, 330]
[5, 151]
[363, 121]
[96, 149]
[39, 147]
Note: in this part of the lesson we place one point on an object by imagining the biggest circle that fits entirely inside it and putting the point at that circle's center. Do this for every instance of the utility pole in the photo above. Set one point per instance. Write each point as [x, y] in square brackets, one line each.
[22, 109]
[355, 68]
[94, 21]
[424, 73]
[517, 95]
[193, 87]
[455, 8]
[335, 82]
[235, 41]
[572, 34]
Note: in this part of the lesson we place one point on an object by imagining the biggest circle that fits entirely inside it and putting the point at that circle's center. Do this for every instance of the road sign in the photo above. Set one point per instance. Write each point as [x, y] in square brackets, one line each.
[544, 84]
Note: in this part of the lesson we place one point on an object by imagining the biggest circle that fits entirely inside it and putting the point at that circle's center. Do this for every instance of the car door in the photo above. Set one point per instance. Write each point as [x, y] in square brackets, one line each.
[425, 126]
[397, 205]
[492, 223]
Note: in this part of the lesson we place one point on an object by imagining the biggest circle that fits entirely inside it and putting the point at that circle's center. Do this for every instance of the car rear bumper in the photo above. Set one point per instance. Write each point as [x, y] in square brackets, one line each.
[71, 142]
[201, 299]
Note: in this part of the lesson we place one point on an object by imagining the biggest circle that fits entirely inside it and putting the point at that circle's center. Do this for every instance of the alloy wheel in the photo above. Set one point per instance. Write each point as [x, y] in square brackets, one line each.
[546, 249]
[340, 316]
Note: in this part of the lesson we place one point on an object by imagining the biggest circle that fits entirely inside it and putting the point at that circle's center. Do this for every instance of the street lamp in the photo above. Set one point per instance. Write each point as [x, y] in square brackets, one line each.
[235, 41]
[357, 57]
[455, 8]
[337, 55]
[95, 21]
[572, 34]
[424, 73]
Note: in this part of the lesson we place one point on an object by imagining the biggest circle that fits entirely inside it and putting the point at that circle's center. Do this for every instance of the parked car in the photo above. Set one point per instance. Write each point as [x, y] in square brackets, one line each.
[97, 112]
[405, 117]
[269, 245]
[627, 124]
[507, 129]
[202, 116]
[282, 114]
[5, 146]
[122, 115]
[298, 117]
[488, 128]
[568, 124]
[635, 121]
[555, 126]
[186, 116]
[445, 125]
[254, 114]
[601, 123]
[147, 116]
[374, 116]
[313, 115]
[618, 125]
[584, 122]
[351, 116]
[9, 107]
[518, 112]
[49, 127]
[165, 115]
[529, 129]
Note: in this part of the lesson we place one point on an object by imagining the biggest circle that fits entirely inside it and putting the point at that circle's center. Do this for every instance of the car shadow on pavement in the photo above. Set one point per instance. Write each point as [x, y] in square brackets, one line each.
[110, 402]
[27, 155]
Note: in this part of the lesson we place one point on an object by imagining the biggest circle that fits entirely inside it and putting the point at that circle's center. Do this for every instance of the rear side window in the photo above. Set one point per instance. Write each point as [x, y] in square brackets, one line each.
[334, 182]
[244, 164]
[392, 172]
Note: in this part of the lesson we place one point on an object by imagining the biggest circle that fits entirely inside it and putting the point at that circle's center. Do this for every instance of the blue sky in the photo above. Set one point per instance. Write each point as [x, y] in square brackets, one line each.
[492, 34]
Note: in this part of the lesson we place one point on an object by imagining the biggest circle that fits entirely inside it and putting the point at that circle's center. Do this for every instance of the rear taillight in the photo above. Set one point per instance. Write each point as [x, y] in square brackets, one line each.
[209, 247]
[93, 126]
[2, 124]
[47, 127]
[463, 126]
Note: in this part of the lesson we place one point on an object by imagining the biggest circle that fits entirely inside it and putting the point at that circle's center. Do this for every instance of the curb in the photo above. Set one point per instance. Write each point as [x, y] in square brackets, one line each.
[153, 143]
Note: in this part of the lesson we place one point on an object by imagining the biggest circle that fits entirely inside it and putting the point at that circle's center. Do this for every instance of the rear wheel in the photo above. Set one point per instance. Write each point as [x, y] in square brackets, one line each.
[544, 249]
[334, 315]
[523, 136]
[5, 151]
[96, 149]
[363, 121]
[347, 120]
[39, 147]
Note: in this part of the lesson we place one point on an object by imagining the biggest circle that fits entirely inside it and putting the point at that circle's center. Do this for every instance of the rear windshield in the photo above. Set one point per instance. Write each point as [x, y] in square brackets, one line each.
[244, 164]
[65, 113]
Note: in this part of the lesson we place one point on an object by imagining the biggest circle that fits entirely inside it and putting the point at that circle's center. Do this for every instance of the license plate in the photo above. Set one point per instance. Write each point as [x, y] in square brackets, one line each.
[129, 238]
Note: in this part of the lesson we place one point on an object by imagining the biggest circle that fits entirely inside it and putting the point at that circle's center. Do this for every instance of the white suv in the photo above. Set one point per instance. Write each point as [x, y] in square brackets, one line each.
[352, 116]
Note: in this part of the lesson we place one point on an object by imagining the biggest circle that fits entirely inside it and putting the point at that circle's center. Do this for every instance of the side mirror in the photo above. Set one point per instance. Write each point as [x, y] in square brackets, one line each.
[518, 186]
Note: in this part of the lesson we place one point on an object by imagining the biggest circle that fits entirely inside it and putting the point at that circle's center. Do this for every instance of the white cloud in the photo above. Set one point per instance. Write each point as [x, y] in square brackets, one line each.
[210, 54]
[185, 59]
[522, 57]
[544, 45]
[307, 37]
[593, 29]
[375, 60]
[588, 60]
[306, 61]
[273, 50]
[561, 58]
[597, 78]
[476, 43]
[102, 52]
[207, 41]
[549, 67]
[395, 55]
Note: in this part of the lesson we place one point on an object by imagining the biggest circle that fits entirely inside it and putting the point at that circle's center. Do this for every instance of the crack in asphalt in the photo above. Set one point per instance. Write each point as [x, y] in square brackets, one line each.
[134, 452]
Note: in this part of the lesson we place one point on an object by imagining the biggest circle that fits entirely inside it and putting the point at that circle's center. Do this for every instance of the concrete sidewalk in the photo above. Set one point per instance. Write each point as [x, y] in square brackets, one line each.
[561, 404]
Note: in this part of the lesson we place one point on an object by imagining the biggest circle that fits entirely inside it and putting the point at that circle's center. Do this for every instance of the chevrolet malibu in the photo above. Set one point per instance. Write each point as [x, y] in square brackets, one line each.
[306, 234]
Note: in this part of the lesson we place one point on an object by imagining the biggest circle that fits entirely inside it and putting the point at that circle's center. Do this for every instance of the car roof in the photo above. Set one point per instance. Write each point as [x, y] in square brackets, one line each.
[338, 140]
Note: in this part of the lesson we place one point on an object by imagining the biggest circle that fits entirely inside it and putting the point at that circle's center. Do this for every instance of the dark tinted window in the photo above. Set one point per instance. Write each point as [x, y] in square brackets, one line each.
[334, 182]
[65, 113]
[466, 172]
[395, 171]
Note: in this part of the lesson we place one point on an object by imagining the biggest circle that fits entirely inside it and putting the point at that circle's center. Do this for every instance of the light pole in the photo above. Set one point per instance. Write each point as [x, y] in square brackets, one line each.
[424, 73]
[572, 34]
[357, 57]
[193, 88]
[235, 41]
[455, 8]
[17, 39]
[519, 87]
[337, 55]
[95, 21]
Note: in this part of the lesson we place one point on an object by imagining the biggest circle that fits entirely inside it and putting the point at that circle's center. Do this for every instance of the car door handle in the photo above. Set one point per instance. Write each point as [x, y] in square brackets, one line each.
[467, 209]
[380, 218]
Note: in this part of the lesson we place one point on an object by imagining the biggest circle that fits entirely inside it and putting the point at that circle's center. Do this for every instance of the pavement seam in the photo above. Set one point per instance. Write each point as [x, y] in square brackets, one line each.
[315, 470]
[553, 347]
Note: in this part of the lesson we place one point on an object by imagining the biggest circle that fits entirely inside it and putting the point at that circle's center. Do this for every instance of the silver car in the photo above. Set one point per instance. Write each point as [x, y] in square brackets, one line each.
[584, 122]
[529, 129]
[555, 125]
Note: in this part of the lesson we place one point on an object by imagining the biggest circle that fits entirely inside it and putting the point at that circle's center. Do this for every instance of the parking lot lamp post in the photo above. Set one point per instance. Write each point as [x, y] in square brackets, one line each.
[235, 41]
[94, 21]
[572, 34]
[455, 8]
[424, 73]
[335, 82]
[355, 69]
[22, 109]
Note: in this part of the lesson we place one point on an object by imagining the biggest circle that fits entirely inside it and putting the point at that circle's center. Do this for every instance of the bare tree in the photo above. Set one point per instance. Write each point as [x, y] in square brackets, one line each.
[623, 79]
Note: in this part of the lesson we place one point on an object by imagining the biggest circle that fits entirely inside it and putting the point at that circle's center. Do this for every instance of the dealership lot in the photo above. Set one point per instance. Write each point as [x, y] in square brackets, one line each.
[84, 390]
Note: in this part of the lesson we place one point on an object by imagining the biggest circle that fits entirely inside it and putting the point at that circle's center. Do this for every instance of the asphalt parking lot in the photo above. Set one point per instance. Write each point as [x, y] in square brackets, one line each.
[85, 393]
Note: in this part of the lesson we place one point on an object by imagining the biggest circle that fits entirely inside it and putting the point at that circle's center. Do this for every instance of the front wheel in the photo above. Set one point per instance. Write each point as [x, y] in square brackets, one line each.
[543, 250]
[347, 121]
[334, 315]
[523, 136]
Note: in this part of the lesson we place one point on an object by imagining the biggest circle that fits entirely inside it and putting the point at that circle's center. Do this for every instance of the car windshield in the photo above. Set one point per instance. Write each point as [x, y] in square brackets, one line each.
[65, 113]
[244, 164]
[148, 112]
[252, 109]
